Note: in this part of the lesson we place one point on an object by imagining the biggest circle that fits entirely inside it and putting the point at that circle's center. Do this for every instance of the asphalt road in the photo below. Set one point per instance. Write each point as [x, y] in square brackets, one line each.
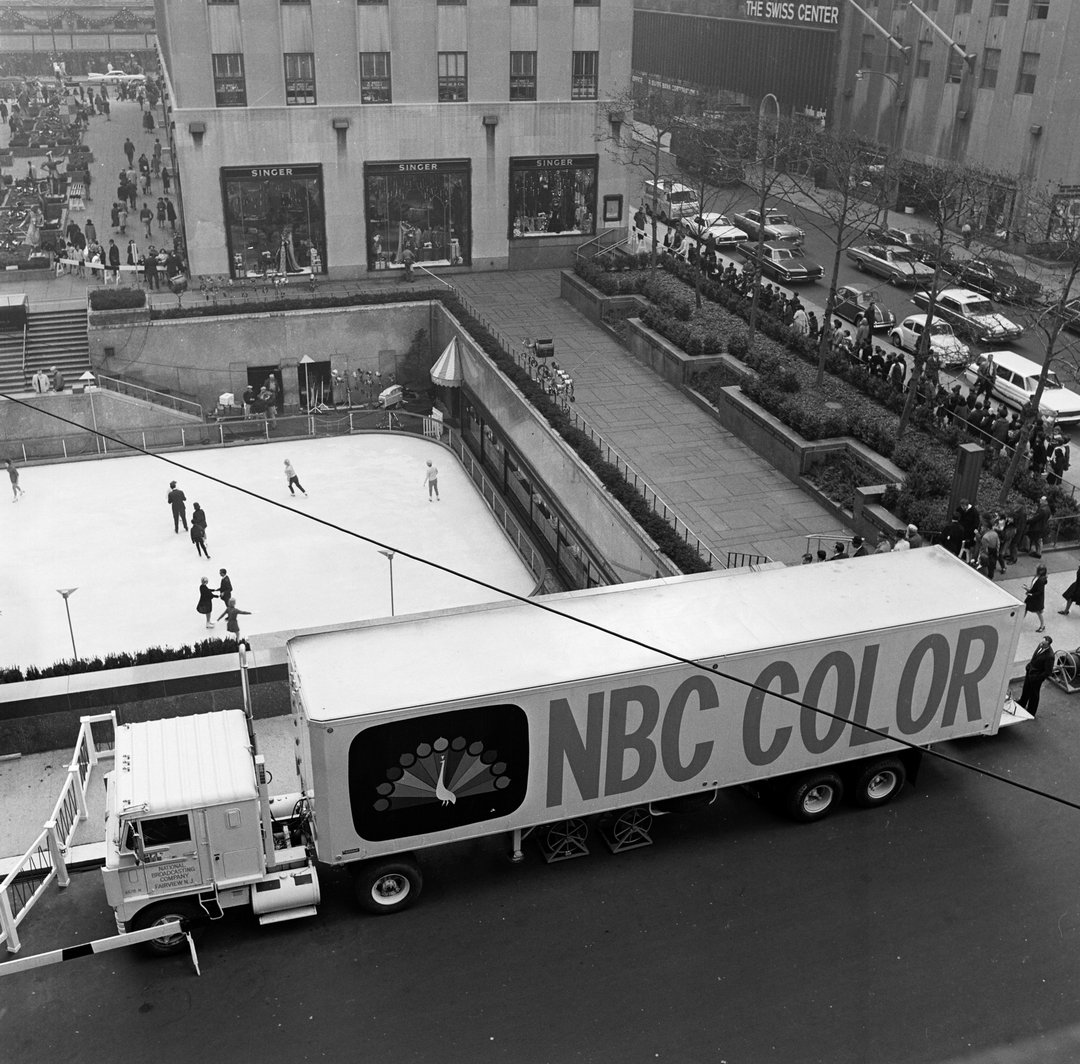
[820, 247]
[946, 922]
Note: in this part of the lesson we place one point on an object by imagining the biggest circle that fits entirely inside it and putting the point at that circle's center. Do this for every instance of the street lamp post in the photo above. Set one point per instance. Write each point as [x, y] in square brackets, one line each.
[389, 556]
[306, 361]
[67, 592]
[899, 109]
[776, 122]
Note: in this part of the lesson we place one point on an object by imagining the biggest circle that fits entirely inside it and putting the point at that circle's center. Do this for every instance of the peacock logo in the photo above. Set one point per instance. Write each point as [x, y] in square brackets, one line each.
[442, 772]
[430, 773]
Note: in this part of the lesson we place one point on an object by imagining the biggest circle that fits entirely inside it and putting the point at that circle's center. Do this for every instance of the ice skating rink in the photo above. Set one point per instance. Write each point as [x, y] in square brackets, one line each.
[105, 527]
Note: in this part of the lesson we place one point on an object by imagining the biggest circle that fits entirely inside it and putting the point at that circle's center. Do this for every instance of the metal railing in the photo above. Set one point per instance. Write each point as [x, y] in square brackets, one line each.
[45, 859]
[596, 246]
[151, 395]
[740, 559]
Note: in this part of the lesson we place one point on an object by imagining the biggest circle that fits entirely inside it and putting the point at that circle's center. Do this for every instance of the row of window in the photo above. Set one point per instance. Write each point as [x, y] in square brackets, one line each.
[1037, 9]
[230, 85]
[954, 71]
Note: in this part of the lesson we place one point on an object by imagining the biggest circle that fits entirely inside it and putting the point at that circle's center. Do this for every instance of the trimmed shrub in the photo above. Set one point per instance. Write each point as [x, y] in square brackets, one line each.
[117, 298]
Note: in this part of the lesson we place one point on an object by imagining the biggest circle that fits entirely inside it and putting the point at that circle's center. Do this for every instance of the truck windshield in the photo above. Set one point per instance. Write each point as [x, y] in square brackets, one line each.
[682, 197]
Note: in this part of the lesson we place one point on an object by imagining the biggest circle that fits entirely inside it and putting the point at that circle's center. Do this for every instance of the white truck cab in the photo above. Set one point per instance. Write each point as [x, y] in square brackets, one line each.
[190, 829]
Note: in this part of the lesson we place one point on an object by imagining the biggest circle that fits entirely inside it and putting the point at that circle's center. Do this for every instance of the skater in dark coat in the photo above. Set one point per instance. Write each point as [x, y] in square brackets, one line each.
[176, 499]
[206, 601]
[233, 624]
[225, 588]
[198, 530]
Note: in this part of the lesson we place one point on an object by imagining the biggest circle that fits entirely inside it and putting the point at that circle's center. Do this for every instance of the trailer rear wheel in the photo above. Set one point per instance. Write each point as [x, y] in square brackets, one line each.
[879, 782]
[161, 913]
[814, 797]
[388, 886]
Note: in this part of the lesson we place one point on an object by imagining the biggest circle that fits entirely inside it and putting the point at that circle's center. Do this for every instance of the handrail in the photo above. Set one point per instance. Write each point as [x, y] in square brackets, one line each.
[579, 251]
[424, 269]
[24, 328]
[45, 858]
[151, 395]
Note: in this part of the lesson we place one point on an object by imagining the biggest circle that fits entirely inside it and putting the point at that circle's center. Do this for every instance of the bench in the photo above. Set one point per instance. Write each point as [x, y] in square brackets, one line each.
[76, 192]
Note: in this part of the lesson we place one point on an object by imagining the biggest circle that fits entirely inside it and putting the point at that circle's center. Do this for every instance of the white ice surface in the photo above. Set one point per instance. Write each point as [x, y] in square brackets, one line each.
[105, 528]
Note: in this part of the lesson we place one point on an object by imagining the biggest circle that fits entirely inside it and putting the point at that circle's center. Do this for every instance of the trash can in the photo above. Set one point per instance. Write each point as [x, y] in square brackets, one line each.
[545, 348]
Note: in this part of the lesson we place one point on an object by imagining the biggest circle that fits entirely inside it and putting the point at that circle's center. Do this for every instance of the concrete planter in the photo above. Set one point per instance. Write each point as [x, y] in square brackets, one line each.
[107, 319]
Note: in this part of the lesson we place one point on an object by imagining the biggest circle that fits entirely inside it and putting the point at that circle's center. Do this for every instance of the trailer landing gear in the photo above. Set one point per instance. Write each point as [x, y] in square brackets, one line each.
[563, 840]
[627, 829]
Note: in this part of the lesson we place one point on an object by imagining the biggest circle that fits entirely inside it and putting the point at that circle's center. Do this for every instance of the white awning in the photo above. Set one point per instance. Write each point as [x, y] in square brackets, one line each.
[447, 371]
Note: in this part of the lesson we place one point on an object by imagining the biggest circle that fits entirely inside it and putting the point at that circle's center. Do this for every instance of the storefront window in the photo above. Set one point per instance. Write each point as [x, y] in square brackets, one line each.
[274, 220]
[549, 196]
[422, 205]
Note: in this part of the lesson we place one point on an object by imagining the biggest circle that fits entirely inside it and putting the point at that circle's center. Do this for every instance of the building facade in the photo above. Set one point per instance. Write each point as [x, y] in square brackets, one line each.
[330, 137]
[1012, 107]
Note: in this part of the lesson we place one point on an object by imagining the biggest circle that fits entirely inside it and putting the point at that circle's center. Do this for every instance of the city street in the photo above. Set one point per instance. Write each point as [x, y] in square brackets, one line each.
[819, 248]
[944, 923]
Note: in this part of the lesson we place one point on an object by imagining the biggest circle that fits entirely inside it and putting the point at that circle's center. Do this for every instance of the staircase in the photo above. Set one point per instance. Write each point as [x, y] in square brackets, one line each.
[11, 359]
[57, 338]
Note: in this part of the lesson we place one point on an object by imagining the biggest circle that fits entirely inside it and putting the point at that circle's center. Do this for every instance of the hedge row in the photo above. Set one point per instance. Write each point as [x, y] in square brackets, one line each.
[851, 402]
[117, 298]
[150, 656]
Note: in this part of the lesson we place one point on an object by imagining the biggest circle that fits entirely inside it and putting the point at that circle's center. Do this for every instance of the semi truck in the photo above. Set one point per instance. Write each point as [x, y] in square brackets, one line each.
[551, 717]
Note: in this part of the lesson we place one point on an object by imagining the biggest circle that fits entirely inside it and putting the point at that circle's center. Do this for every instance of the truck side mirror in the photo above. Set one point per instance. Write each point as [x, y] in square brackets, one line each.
[133, 841]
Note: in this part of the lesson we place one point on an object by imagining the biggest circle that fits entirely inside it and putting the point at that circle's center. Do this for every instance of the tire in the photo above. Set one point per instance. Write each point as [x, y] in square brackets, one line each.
[384, 887]
[161, 912]
[894, 339]
[814, 797]
[860, 265]
[878, 783]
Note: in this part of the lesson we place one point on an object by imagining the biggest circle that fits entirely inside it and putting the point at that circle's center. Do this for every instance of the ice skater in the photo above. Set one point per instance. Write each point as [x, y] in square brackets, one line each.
[13, 473]
[292, 479]
[206, 601]
[198, 530]
[233, 624]
[177, 499]
[225, 588]
[431, 478]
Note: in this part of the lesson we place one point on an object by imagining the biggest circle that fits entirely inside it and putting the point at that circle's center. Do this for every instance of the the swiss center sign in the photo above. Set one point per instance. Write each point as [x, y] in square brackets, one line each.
[782, 11]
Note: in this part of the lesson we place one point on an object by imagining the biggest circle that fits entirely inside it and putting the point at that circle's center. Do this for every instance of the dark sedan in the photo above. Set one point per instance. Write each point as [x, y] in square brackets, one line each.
[998, 279]
[780, 261]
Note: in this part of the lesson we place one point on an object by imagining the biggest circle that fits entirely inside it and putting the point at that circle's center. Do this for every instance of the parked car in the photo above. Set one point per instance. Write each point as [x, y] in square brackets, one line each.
[1015, 381]
[896, 264]
[855, 299]
[998, 279]
[918, 241]
[777, 225]
[715, 225]
[1071, 316]
[971, 315]
[950, 352]
[780, 261]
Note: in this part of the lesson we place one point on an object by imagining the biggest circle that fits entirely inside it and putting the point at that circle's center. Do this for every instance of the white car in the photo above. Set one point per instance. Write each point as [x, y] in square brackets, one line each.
[946, 347]
[715, 225]
[113, 77]
[776, 223]
[897, 265]
[1015, 381]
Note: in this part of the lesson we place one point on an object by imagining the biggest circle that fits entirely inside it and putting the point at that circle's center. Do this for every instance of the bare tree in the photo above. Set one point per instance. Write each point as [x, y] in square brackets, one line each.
[844, 166]
[773, 154]
[948, 194]
[1047, 216]
[657, 111]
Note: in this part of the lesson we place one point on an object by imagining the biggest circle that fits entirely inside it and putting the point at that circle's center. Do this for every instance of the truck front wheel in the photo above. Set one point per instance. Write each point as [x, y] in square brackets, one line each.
[879, 782]
[161, 913]
[388, 886]
[814, 797]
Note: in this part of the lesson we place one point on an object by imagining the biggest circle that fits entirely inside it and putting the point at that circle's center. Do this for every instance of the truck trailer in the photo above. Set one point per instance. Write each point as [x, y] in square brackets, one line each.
[548, 717]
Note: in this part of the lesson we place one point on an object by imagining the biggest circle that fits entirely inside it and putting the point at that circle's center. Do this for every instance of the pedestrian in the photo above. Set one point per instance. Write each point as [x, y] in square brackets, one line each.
[858, 547]
[206, 601]
[166, 179]
[1071, 594]
[292, 479]
[40, 382]
[170, 213]
[177, 501]
[885, 545]
[58, 382]
[952, 535]
[114, 256]
[198, 530]
[233, 624]
[146, 216]
[407, 260]
[155, 159]
[914, 537]
[965, 233]
[1038, 525]
[989, 548]
[431, 478]
[129, 151]
[225, 588]
[13, 474]
[1037, 671]
[162, 214]
[1035, 597]
[839, 551]
[150, 270]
